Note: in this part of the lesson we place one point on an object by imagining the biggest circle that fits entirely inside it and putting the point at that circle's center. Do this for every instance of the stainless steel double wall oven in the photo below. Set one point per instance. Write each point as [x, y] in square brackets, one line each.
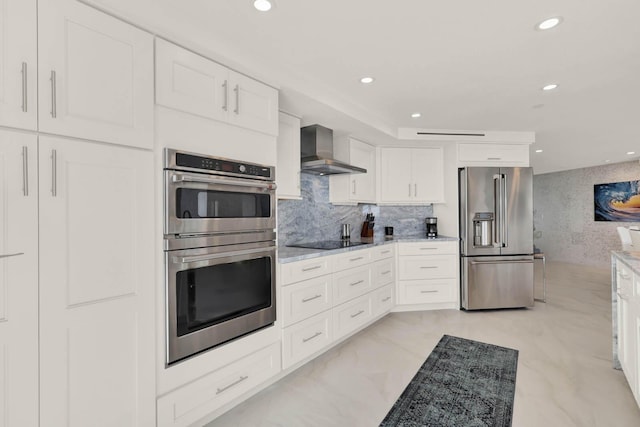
[220, 250]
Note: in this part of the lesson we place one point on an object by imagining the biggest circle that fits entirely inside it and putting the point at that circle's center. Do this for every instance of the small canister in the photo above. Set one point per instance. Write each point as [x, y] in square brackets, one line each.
[345, 233]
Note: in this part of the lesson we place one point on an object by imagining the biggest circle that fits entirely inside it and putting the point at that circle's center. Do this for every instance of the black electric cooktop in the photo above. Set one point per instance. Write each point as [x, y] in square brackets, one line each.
[326, 244]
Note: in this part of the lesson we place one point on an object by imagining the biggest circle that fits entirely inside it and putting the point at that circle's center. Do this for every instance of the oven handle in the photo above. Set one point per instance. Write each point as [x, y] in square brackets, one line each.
[195, 258]
[239, 183]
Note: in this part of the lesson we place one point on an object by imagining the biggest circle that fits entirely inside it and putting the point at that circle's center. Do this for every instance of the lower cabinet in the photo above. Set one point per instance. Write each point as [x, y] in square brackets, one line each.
[190, 404]
[325, 299]
[628, 318]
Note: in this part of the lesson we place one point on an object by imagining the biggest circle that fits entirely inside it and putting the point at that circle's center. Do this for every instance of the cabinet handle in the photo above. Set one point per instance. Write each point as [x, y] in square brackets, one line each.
[354, 187]
[312, 298]
[356, 283]
[622, 296]
[494, 158]
[238, 381]
[355, 259]
[25, 171]
[54, 173]
[428, 292]
[625, 276]
[415, 190]
[357, 314]
[386, 299]
[53, 94]
[386, 272]
[10, 255]
[237, 91]
[430, 266]
[428, 249]
[316, 335]
[409, 189]
[225, 85]
[24, 87]
[315, 267]
[384, 252]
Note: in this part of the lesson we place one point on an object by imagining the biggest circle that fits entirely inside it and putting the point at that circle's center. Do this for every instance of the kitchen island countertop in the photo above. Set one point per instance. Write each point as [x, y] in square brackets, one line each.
[288, 254]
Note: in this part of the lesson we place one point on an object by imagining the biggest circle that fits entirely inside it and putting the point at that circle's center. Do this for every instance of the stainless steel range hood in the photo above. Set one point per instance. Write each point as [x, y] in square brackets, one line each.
[316, 152]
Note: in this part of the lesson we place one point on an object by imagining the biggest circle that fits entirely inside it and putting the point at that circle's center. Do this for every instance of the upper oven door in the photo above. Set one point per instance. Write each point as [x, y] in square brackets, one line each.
[202, 203]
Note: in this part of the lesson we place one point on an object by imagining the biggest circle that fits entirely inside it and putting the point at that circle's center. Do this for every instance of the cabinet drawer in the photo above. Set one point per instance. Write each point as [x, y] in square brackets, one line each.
[305, 299]
[429, 267]
[428, 248]
[426, 291]
[494, 154]
[351, 283]
[305, 338]
[190, 403]
[302, 270]
[384, 272]
[383, 300]
[352, 259]
[383, 251]
[351, 315]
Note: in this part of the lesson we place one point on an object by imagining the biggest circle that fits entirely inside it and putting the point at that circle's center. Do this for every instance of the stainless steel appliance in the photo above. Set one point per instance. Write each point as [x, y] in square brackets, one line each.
[220, 251]
[496, 231]
[316, 153]
[432, 227]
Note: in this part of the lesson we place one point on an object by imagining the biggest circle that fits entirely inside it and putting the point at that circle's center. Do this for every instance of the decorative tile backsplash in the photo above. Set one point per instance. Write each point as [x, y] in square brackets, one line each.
[314, 218]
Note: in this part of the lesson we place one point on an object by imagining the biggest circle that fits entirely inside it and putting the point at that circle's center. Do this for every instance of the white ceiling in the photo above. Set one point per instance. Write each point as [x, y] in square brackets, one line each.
[464, 64]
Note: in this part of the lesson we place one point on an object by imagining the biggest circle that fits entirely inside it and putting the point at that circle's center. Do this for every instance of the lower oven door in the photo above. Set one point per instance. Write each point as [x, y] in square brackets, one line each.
[216, 294]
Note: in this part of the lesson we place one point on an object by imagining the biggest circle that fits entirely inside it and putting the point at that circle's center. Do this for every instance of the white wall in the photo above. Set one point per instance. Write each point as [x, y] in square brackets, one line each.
[564, 225]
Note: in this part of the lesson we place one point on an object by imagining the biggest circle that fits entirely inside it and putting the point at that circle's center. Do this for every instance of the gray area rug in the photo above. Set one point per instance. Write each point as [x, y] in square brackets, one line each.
[462, 383]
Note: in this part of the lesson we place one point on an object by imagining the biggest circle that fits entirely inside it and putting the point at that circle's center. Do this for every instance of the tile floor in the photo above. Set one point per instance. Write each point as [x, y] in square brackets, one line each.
[564, 370]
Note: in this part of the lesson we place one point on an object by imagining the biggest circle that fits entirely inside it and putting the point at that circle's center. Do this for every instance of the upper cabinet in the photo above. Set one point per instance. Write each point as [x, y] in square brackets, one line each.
[193, 84]
[95, 75]
[18, 54]
[411, 175]
[288, 167]
[477, 154]
[357, 187]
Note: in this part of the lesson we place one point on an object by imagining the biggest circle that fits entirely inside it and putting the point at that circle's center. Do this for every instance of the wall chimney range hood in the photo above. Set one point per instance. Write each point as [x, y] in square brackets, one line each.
[316, 152]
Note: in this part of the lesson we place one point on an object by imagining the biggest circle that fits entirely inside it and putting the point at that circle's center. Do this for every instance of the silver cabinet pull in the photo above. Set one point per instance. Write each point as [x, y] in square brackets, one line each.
[428, 292]
[316, 335]
[25, 171]
[415, 190]
[312, 298]
[494, 158]
[238, 381]
[356, 283]
[409, 189]
[357, 314]
[355, 259]
[225, 85]
[384, 252]
[315, 267]
[386, 272]
[53, 94]
[386, 299]
[354, 187]
[622, 296]
[237, 91]
[11, 255]
[428, 249]
[24, 87]
[54, 173]
[429, 266]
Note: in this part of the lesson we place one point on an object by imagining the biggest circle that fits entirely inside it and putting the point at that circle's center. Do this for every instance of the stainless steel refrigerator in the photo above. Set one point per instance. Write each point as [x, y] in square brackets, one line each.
[496, 232]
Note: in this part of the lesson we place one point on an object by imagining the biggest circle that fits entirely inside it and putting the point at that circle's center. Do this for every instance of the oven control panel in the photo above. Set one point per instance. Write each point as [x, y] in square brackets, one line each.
[200, 163]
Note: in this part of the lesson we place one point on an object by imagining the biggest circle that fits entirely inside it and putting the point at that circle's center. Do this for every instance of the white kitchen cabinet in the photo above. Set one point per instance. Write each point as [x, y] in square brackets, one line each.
[18, 280]
[95, 75]
[427, 274]
[18, 64]
[493, 154]
[306, 337]
[411, 175]
[188, 82]
[628, 290]
[356, 187]
[288, 167]
[97, 317]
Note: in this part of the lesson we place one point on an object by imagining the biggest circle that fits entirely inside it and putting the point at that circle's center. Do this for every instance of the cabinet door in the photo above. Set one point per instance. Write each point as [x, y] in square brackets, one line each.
[254, 105]
[190, 83]
[428, 175]
[97, 319]
[95, 75]
[18, 280]
[18, 66]
[395, 175]
[288, 169]
[363, 184]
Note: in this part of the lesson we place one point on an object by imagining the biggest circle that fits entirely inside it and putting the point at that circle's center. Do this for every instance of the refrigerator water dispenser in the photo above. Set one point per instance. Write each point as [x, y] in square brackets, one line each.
[483, 229]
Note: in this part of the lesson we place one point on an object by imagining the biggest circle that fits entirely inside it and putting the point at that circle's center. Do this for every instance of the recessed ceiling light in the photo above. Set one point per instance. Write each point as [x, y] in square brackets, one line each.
[607, 161]
[416, 115]
[538, 151]
[366, 80]
[552, 86]
[549, 23]
[630, 153]
[263, 5]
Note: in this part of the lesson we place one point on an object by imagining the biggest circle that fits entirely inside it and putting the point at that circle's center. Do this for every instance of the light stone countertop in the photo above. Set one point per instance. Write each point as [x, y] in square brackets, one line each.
[288, 254]
[632, 259]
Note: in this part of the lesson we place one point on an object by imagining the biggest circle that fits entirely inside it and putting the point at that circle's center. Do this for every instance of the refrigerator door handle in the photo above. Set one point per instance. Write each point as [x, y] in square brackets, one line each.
[503, 214]
[497, 210]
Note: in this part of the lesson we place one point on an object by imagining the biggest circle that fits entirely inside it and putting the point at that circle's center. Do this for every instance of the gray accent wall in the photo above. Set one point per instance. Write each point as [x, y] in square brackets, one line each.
[563, 220]
[314, 218]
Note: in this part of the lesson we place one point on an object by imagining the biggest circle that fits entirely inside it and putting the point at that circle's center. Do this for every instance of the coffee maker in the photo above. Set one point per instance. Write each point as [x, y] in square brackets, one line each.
[432, 227]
